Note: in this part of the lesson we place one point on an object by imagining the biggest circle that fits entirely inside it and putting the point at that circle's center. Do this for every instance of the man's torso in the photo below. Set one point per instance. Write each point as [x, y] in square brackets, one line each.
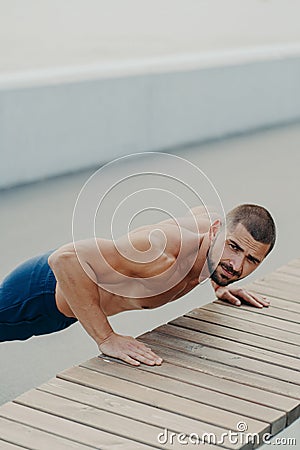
[123, 293]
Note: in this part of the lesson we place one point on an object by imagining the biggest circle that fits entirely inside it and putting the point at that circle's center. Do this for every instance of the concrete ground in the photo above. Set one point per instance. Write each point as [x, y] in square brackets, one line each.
[259, 168]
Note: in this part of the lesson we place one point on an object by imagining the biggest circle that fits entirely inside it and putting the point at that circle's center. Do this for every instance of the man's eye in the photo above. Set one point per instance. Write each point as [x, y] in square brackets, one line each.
[234, 247]
[252, 261]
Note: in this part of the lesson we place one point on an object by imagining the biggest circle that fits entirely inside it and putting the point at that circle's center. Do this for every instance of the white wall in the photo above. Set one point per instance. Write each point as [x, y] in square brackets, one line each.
[52, 127]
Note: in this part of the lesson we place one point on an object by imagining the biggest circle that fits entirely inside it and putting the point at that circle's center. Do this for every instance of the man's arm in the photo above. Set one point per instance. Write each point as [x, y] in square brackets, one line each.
[236, 294]
[78, 283]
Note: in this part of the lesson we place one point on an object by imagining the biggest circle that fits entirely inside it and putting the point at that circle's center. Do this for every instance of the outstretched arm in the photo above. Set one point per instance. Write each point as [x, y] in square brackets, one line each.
[236, 294]
[78, 283]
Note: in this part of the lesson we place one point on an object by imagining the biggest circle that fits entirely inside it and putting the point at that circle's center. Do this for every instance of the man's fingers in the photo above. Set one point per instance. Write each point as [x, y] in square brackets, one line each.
[129, 350]
[151, 355]
[261, 299]
[141, 346]
[142, 358]
[128, 359]
[231, 298]
[249, 299]
[235, 295]
[254, 300]
[148, 354]
[134, 358]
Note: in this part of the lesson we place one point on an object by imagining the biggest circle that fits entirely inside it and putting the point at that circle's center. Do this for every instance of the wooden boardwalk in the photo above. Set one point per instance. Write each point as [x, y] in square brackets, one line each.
[225, 368]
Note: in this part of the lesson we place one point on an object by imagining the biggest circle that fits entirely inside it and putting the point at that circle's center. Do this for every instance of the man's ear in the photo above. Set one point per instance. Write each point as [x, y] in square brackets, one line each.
[214, 229]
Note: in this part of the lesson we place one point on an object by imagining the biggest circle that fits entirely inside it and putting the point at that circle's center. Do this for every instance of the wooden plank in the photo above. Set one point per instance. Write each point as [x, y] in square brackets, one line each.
[209, 419]
[67, 429]
[222, 365]
[253, 316]
[237, 348]
[290, 270]
[284, 278]
[275, 302]
[162, 385]
[271, 311]
[294, 263]
[225, 357]
[156, 415]
[177, 380]
[277, 291]
[272, 291]
[288, 274]
[100, 419]
[7, 446]
[243, 325]
[224, 371]
[212, 329]
[296, 260]
[34, 439]
[289, 288]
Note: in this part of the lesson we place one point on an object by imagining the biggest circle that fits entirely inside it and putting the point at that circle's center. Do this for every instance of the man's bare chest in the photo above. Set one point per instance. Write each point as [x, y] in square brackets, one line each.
[142, 294]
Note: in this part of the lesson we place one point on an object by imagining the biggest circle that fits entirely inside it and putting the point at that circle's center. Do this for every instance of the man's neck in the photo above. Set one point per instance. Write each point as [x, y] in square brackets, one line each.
[203, 251]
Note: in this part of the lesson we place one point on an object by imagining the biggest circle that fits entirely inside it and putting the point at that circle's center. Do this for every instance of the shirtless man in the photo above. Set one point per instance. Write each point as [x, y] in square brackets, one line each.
[93, 279]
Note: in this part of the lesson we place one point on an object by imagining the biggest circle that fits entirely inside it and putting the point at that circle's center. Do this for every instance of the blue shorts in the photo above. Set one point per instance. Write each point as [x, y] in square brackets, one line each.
[27, 301]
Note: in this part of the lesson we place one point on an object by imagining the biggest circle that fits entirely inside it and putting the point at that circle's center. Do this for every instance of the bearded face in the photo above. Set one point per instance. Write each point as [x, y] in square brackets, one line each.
[241, 255]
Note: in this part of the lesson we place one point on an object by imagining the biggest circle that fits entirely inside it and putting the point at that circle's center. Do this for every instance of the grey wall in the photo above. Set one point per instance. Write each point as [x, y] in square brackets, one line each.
[47, 130]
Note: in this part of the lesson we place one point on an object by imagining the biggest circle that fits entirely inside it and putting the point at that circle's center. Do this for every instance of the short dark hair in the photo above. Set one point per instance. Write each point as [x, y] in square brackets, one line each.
[257, 221]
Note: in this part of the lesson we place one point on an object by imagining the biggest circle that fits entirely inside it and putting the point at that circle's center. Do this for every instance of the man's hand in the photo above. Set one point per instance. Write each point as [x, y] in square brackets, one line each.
[234, 295]
[129, 350]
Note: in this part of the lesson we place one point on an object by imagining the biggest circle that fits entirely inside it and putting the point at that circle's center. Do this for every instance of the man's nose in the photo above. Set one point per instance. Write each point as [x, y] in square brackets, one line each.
[236, 262]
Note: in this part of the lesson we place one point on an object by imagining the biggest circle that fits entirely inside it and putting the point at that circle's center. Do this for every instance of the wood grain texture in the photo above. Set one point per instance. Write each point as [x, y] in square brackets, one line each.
[289, 270]
[97, 418]
[222, 365]
[251, 315]
[32, 438]
[167, 376]
[224, 357]
[278, 289]
[246, 326]
[245, 409]
[177, 414]
[236, 335]
[275, 302]
[225, 371]
[207, 341]
[279, 310]
[68, 429]
[7, 446]
[163, 400]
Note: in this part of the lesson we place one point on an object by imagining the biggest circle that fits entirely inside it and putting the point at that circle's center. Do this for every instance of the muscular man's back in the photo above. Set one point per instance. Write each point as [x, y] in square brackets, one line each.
[144, 269]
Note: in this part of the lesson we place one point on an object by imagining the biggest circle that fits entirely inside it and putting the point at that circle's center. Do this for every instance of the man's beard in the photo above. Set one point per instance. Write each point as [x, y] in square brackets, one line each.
[221, 280]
